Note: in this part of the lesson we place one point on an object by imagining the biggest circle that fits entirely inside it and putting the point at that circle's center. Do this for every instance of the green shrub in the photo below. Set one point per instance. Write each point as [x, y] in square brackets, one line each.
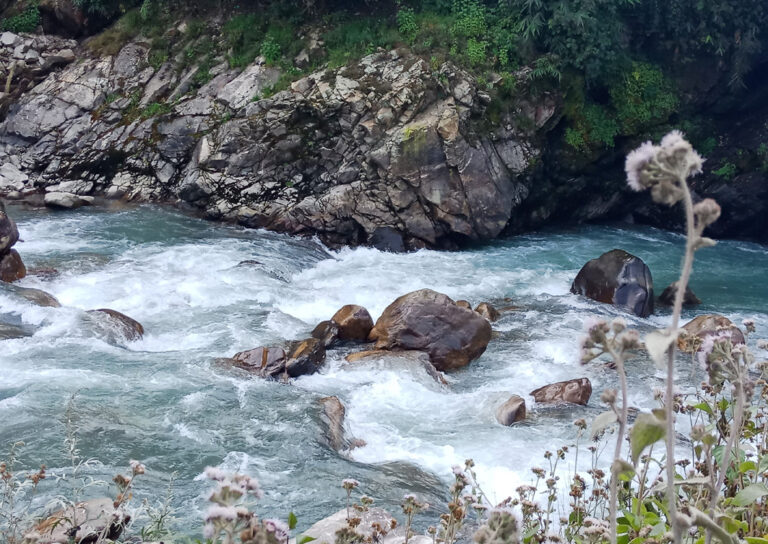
[270, 50]
[476, 51]
[642, 97]
[727, 171]
[406, 23]
[469, 18]
[26, 21]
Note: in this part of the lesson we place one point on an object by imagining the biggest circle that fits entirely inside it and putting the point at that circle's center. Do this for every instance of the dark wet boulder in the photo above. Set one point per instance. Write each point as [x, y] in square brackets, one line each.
[387, 239]
[9, 233]
[697, 329]
[304, 357]
[487, 310]
[617, 278]
[354, 323]
[327, 332]
[512, 411]
[667, 296]
[266, 362]
[575, 391]
[429, 321]
[12, 267]
[125, 326]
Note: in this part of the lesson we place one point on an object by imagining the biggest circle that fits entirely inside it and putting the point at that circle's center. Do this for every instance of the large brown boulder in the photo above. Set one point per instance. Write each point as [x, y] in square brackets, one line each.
[12, 267]
[266, 362]
[698, 328]
[575, 391]
[354, 323]
[429, 321]
[512, 411]
[125, 326]
[617, 278]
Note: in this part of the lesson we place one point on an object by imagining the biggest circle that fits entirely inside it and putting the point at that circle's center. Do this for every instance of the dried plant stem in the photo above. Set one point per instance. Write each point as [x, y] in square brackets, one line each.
[682, 284]
[618, 358]
[733, 438]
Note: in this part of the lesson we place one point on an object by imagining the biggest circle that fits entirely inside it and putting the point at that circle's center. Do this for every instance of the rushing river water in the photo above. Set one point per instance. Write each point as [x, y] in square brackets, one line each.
[163, 400]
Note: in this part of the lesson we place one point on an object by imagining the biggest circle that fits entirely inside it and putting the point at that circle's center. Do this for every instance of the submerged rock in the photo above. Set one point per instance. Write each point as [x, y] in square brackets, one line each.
[617, 278]
[667, 296]
[512, 411]
[12, 267]
[353, 322]
[486, 310]
[116, 322]
[38, 296]
[575, 391]
[429, 321]
[392, 358]
[332, 414]
[697, 329]
[9, 332]
[90, 519]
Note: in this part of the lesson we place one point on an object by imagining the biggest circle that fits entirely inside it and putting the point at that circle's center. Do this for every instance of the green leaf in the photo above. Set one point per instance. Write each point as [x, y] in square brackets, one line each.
[647, 430]
[762, 466]
[292, 521]
[704, 407]
[750, 494]
[602, 421]
[623, 470]
[304, 539]
[657, 344]
[746, 466]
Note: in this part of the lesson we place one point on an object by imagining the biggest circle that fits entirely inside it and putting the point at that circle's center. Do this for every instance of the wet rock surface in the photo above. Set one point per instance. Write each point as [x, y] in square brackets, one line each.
[429, 321]
[617, 278]
[575, 391]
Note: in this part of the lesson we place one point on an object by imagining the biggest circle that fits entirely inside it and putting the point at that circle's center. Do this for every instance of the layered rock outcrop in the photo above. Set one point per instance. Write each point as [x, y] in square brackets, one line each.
[385, 151]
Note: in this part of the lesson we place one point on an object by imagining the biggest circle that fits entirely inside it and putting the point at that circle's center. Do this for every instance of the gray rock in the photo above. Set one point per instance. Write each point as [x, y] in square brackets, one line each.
[241, 90]
[66, 200]
[512, 411]
[9, 39]
[575, 391]
[91, 519]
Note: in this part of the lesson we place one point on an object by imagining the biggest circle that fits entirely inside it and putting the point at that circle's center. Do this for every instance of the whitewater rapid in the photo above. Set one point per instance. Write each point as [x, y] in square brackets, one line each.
[163, 400]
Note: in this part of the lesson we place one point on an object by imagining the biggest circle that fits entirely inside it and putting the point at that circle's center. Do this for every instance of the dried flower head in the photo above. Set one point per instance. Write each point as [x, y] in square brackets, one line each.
[663, 168]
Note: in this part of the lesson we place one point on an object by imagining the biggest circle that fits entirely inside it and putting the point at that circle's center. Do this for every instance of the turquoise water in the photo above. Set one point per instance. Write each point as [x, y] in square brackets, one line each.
[163, 400]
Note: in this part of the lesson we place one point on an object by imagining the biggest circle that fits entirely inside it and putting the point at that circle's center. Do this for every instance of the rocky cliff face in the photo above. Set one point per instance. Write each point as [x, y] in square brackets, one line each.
[388, 151]
[387, 148]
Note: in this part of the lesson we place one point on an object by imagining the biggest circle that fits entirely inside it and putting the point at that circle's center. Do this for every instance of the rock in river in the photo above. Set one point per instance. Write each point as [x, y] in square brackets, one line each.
[617, 278]
[698, 328]
[429, 321]
[354, 323]
[575, 391]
